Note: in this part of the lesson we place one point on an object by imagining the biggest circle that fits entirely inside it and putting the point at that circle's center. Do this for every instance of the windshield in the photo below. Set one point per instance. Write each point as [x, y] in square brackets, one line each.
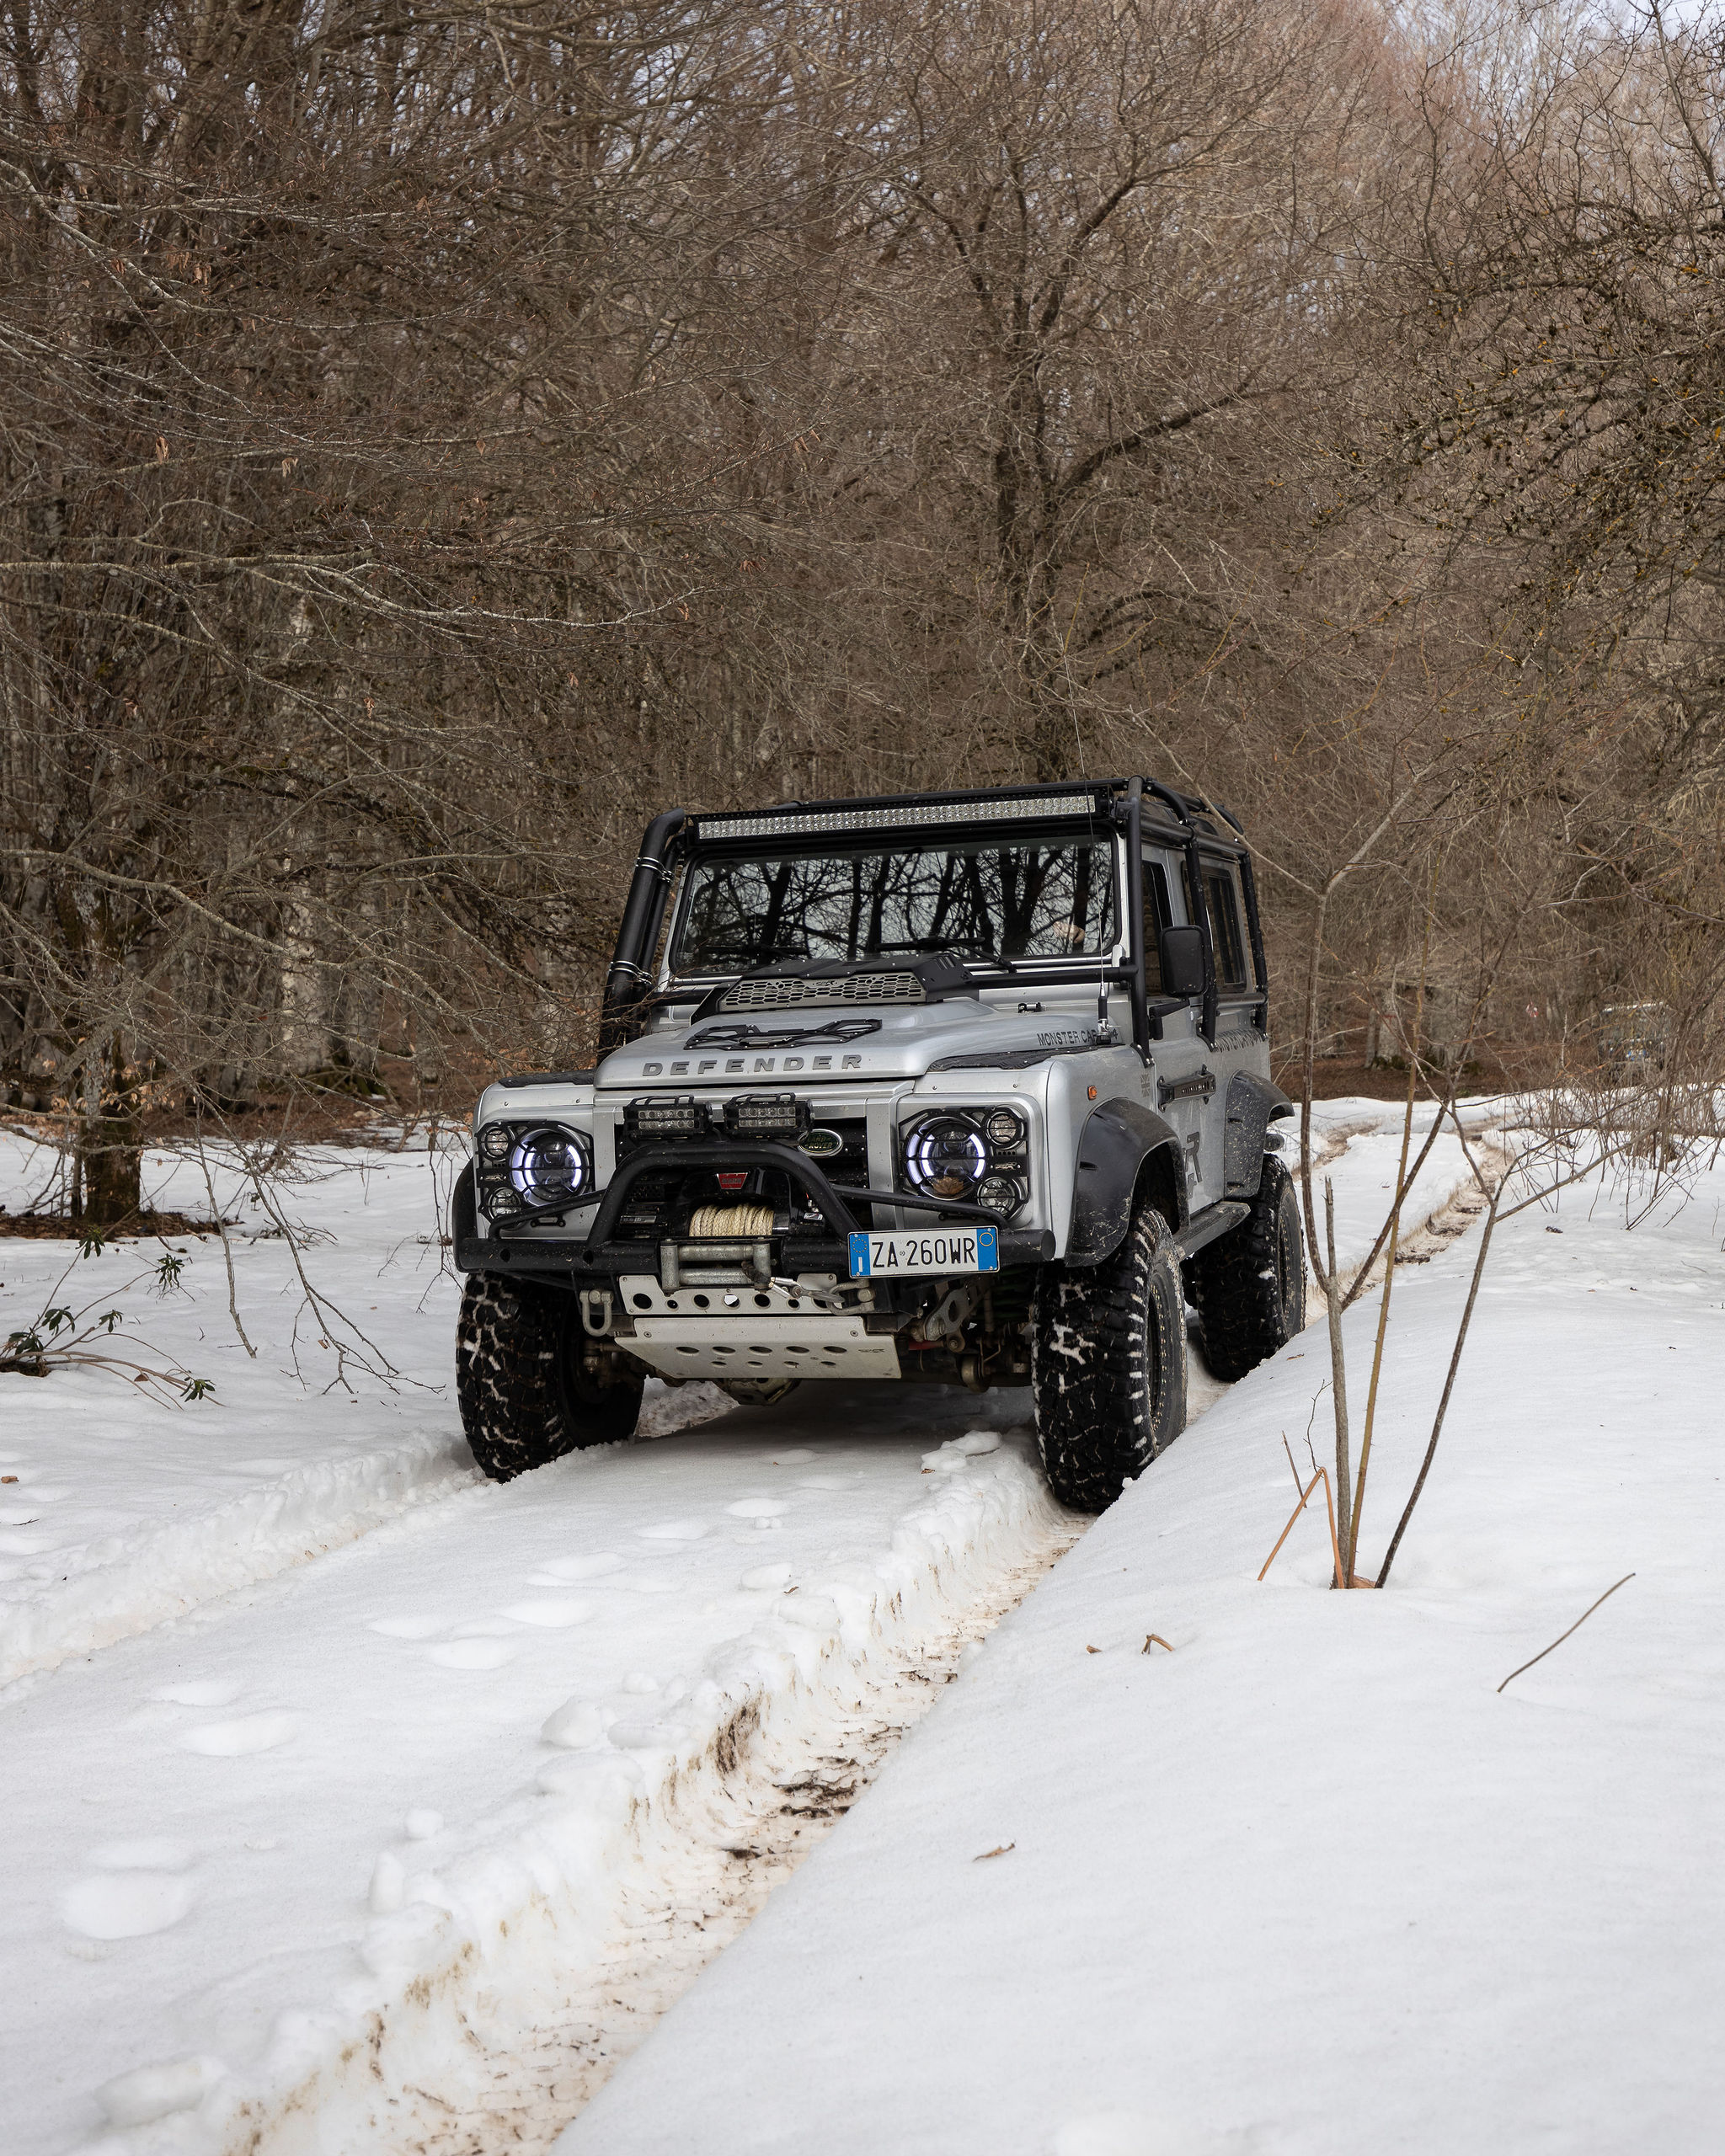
[979, 899]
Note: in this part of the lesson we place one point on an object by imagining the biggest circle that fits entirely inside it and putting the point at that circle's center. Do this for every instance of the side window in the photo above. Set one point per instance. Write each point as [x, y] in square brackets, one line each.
[1232, 971]
[1156, 917]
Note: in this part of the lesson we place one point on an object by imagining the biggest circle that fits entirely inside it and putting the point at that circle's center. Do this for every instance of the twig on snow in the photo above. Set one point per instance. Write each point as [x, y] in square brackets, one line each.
[1321, 1476]
[1575, 1627]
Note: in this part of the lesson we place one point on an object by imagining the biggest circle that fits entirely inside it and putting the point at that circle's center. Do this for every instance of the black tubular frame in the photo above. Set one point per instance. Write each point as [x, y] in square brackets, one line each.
[829, 1198]
[1134, 917]
[1248, 883]
[627, 983]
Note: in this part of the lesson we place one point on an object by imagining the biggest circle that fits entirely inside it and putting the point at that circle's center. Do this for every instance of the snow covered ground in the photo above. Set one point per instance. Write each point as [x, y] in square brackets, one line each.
[332, 1810]
[1308, 1881]
[130, 1507]
[313, 1817]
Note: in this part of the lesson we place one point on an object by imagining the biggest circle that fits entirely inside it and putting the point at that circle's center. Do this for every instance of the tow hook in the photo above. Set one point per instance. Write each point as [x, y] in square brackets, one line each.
[826, 1299]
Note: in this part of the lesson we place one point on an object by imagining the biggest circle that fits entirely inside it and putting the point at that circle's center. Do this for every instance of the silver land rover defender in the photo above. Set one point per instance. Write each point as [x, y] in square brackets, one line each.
[963, 1088]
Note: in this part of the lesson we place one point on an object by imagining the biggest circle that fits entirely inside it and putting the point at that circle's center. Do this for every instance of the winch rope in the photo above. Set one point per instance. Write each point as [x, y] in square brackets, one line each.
[736, 1223]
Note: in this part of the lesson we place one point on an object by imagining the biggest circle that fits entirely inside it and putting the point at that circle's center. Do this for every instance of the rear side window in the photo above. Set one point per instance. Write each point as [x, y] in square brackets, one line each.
[1224, 903]
[1157, 916]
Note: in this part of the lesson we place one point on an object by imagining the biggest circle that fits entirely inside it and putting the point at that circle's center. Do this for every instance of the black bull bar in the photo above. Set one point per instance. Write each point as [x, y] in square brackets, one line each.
[599, 1255]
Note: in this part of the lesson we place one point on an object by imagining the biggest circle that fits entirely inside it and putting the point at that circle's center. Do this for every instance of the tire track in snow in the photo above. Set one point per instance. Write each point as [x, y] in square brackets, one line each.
[707, 1859]
[501, 1995]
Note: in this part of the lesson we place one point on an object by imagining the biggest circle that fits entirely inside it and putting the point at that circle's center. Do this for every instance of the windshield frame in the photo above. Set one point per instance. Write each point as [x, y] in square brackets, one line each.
[1101, 830]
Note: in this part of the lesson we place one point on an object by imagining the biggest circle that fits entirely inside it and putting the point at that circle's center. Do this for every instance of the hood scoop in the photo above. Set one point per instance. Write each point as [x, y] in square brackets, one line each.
[796, 983]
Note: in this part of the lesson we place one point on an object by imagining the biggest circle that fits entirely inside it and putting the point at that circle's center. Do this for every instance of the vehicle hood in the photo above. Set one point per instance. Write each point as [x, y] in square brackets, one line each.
[809, 1048]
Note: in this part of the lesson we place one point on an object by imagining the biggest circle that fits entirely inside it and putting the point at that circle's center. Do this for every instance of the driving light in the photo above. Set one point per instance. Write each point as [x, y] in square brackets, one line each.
[682, 1117]
[494, 1141]
[1000, 1194]
[499, 1204]
[1003, 1128]
[767, 1115]
[548, 1166]
[992, 808]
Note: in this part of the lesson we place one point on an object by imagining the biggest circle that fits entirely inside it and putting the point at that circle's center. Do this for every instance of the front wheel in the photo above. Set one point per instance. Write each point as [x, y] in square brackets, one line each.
[1249, 1285]
[1108, 1366]
[523, 1378]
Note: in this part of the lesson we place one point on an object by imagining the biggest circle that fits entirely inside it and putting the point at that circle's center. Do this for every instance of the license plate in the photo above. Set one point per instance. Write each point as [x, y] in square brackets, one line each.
[941, 1250]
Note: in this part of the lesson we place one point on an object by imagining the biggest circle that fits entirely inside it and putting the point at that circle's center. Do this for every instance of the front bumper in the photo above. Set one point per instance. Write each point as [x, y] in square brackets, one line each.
[602, 1257]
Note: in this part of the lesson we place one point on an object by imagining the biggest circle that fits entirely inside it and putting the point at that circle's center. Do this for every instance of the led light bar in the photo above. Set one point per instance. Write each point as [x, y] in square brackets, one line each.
[681, 1117]
[767, 1115]
[991, 811]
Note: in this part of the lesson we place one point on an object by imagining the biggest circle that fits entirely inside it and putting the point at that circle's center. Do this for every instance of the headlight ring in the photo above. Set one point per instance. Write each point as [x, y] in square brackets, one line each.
[945, 1156]
[549, 1165]
[978, 1156]
[525, 1167]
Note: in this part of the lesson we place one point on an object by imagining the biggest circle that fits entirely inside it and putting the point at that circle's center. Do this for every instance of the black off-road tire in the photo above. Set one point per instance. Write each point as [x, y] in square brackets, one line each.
[525, 1397]
[1249, 1285]
[1108, 1366]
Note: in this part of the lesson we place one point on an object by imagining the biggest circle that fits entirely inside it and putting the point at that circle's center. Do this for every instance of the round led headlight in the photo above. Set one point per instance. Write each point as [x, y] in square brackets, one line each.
[494, 1142]
[1000, 1194]
[945, 1157]
[1003, 1127]
[548, 1166]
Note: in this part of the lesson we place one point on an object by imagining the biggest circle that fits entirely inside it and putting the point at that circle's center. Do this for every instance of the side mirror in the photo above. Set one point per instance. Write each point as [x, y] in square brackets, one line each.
[1183, 961]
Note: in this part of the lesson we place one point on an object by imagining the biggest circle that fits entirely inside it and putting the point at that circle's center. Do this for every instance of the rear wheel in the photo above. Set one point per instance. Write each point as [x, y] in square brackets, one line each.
[1249, 1285]
[1108, 1365]
[526, 1389]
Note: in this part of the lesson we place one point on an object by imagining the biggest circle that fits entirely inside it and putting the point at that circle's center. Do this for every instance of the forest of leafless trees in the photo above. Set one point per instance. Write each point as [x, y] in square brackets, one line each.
[437, 438]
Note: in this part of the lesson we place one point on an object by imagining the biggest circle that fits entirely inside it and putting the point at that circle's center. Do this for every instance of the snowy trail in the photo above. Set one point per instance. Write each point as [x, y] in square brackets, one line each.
[297, 1869]
[229, 1915]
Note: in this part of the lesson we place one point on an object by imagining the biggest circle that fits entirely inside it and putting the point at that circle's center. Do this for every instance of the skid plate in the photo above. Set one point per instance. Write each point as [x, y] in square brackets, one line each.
[748, 1334]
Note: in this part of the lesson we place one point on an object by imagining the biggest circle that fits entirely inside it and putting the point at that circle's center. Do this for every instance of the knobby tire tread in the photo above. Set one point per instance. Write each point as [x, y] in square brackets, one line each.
[522, 1404]
[1251, 1302]
[1108, 1365]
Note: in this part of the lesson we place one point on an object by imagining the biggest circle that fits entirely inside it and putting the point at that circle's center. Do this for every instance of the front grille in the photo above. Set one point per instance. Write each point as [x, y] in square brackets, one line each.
[853, 988]
[850, 1165]
[657, 1200]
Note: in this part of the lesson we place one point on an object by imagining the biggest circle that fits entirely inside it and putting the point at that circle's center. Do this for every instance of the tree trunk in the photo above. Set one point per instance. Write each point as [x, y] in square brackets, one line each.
[110, 1170]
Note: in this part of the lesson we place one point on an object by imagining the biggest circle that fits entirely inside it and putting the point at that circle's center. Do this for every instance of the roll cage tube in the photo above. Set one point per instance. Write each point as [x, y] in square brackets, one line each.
[1254, 927]
[644, 910]
[1134, 917]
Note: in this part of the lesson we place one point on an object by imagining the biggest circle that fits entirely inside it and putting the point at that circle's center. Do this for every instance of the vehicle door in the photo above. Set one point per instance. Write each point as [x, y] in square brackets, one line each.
[1180, 1079]
[1239, 1043]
